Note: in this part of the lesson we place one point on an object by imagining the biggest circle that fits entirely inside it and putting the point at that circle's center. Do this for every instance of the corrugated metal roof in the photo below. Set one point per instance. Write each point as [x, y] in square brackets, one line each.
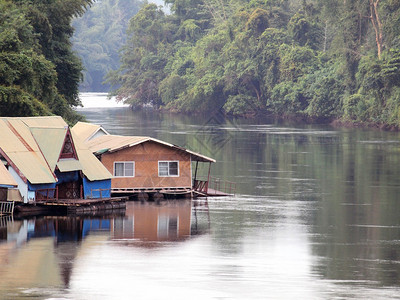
[69, 164]
[45, 122]
[34, 145]
[19, 145]
[114, 142]
[111, 143]
[86, 130]
[91, 166]
[32, 166]
[6, 178]
[50, 141]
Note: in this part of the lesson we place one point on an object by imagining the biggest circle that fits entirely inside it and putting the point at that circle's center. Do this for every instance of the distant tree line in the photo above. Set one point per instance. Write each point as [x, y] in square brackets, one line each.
[39, 73]
[316, 60]
[99, 35]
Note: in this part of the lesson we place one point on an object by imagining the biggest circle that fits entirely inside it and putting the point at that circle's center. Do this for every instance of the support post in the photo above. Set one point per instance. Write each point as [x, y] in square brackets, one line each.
[208, 177]
[195, 174]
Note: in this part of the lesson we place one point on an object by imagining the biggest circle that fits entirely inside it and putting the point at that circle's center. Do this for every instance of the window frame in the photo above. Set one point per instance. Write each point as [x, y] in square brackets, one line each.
[168, 161]
[124, 169]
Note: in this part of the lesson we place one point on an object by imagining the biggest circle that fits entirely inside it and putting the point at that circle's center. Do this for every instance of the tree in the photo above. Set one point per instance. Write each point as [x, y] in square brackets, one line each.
[99, 35]
[39, 74]
[318, 60]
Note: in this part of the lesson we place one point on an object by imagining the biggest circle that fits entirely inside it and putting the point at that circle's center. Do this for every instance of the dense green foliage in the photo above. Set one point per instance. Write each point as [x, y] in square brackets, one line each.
[318, 60]
[39, 73]
[99, 35]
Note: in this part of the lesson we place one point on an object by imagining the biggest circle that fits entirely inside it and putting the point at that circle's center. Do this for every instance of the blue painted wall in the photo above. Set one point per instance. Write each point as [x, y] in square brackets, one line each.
[91, 188]
[32, 188]
[67, 176]
[35, 187]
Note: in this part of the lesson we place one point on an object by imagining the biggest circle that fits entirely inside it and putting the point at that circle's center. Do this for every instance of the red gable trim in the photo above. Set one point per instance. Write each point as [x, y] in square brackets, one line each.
[21, 139]
[67, 152]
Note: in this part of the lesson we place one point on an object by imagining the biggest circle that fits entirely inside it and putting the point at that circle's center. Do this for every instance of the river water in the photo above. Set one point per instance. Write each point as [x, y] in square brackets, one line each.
[316, 215]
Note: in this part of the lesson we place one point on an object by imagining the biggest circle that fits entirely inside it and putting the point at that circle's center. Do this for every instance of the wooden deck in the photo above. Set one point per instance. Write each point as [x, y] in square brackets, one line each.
[162, 190]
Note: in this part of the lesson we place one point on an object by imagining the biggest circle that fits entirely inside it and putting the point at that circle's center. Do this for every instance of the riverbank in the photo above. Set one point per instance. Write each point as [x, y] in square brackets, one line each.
[101, 100]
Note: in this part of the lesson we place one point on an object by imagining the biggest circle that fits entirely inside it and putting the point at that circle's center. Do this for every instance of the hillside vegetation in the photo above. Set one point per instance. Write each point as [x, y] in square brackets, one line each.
[39, 73]
[99, 35]
[315, 60]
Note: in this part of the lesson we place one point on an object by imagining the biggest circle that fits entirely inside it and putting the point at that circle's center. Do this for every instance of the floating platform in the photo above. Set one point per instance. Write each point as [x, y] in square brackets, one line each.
[73, 206]
[212, 193]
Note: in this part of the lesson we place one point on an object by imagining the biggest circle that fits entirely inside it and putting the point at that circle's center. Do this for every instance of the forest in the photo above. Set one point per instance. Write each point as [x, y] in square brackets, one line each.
[39, 72]
[99, 35]
[320, 60]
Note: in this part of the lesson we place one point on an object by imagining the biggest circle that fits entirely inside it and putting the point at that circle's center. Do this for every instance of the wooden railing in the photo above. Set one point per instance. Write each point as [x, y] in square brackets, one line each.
[6, 207]
[227, 187]
[101, 192]
[200, 186]
[46, 194]
[214, 185]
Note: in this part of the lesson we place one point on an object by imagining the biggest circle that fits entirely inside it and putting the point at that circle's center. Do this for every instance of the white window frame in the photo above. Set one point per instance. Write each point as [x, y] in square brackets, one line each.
[124, 162]
[168, 161]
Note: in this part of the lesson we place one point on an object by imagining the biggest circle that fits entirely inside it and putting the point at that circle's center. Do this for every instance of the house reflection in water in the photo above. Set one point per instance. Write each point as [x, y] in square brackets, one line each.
[43, 251]
[148, 223]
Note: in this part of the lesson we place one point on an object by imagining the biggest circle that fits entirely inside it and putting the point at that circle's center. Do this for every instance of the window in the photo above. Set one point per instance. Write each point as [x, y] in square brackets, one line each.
[168, 168]
[124, 169]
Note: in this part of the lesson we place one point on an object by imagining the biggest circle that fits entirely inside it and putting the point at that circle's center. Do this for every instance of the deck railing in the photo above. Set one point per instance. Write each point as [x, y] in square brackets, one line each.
[6, 208]
[200, 186]
[214, 185]
[100, 193]
[46, 194]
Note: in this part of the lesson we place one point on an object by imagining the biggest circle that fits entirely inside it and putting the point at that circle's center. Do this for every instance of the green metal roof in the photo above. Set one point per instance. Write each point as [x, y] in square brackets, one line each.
[50, 141]
[69, 164]
[91, 166]
[33, 145]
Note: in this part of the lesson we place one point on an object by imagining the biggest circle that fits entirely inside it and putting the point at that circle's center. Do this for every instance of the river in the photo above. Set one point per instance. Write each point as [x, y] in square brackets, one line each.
[316, 215]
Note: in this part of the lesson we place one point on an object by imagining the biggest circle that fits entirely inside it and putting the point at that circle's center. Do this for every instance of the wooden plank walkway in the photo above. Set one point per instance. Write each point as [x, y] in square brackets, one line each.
[212, 193]
[164, 190]
[216, 193]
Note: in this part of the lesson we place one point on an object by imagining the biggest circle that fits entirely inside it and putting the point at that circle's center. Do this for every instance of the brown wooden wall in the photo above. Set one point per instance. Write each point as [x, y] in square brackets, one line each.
[146, 157]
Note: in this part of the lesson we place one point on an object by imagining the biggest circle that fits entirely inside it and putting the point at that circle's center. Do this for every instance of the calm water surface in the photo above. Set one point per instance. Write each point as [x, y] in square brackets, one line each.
[316, 216]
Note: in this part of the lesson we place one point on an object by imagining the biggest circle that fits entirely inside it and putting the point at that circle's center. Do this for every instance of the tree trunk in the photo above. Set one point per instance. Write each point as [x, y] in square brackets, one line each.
[376, 24]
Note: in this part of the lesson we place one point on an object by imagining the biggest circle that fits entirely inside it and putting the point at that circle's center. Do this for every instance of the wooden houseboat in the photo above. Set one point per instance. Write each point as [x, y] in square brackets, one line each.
[142, 164]
[47, 163]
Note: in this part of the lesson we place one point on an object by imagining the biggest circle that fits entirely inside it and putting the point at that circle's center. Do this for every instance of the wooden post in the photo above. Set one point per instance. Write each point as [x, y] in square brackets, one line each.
[208, 178]
[195, 174]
